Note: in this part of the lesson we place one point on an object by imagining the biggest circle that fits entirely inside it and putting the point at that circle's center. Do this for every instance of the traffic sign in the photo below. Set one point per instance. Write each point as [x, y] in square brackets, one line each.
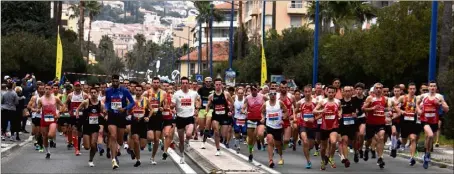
[230, 77]
[199, 77]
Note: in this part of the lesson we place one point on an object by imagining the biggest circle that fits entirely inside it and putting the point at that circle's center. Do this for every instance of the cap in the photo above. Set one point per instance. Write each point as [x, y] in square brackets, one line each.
[208, 78]
[50, 83]
[76, 83]
[6, 77]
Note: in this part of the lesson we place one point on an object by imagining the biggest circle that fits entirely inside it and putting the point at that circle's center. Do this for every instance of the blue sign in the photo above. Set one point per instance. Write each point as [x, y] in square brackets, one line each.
[199, 77]
[230, 77]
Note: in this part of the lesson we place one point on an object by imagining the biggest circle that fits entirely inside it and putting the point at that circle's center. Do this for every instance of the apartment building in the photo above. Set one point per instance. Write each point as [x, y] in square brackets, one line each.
[288, 14]
[220, 29]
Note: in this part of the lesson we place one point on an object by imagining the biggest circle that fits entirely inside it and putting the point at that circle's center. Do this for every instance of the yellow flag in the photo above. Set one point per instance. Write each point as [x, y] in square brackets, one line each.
[59, 56]
[264, 75]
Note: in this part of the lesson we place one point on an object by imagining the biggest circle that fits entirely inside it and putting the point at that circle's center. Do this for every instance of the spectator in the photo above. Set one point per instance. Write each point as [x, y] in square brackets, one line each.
[17, 117]
[28, 88]
[9, 102]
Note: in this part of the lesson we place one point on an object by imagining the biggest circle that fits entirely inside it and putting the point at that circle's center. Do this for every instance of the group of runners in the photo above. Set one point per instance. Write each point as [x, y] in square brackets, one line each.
[273, 117]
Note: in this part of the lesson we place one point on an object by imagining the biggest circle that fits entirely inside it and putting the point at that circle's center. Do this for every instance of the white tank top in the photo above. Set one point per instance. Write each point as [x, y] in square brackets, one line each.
[77, 98]
[36, 114]
[238, 106]
[273, 115]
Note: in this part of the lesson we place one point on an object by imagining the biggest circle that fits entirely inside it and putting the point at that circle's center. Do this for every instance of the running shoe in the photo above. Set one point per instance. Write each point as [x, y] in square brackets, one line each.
[309, 165]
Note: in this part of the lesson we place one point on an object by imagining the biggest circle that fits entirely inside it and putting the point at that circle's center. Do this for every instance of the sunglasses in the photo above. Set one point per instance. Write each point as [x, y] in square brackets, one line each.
[272, 93]
[94, 92]
[208, 81]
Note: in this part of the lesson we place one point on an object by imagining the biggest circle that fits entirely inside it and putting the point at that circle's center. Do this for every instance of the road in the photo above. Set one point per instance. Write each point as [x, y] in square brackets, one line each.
[294, 162]
[27, 160]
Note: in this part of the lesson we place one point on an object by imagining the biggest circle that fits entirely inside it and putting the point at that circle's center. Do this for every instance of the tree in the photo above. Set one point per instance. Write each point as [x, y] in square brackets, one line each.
[446, 40]
[79, 11]
[205, 13]
[93, 8]
[27, 16]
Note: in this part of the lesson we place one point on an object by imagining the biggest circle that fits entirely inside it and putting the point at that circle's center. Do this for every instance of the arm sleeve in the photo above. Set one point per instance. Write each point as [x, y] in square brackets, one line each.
[129, 97]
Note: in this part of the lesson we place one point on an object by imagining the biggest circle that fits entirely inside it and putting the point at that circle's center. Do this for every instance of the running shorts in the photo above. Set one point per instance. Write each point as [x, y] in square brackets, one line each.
[182, 122]
[155, 123]
[310, 132]
[139, 128]
[349, 131]
[408, 128]
[324, 134]
[116, 119]
[434, 127]
[222, 120]
[276, 133]
[371, 130]
[252, 124]
[202, 113]
[36, 122]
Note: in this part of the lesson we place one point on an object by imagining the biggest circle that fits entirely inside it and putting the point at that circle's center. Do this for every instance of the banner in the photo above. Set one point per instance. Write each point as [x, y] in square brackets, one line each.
[230, 76]
[264, 74]
[59, 56]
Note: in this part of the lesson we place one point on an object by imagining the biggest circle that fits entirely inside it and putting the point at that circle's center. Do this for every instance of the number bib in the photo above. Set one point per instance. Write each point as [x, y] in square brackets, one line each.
[251, 124]
[138, 114]
[240, 122]
[429, 115]
[348, 119]
[75, 112]
[93, 119]
[36, 115]
[204, 103]
[330, 117]
[49, 118]
[306, 117]
[115, 104]
[319, 121]
[409, 117]
[64, 115]
[219, 109]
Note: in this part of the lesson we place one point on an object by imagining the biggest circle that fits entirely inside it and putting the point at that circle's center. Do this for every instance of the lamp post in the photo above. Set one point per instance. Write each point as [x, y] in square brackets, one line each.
[315, 62]
[433, 41]
[211, 40]
[232, 12]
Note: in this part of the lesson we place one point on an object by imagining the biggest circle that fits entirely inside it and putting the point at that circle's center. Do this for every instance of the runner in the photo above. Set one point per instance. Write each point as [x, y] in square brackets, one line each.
[319, 96]
[102, 120]
[57, 94]
[255, 128]
[204, 116]
[274, 112]
[429, 115]
[406, 107]
[348, 126]
[141, 115]
[222, 106]
[358, 101]
[116, 98]
[337, 85]
[74, 100]
[50, 107]
[156, 98]
[168, 123]
[64, 116]
[185, 102]
[36, 117]
[296, 120]
[329, 110]
[239, 121]
[307, 125]
[377, 108]
[289, 102]
[92, 110]
[395, 129]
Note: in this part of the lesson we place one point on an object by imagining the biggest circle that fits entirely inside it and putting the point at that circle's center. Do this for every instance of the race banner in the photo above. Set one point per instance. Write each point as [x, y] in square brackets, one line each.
[59, 60]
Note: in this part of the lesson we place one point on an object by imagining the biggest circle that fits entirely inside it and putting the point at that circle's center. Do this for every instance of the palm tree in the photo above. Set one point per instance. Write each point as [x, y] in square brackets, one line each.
[204, 16]
[93, 8]
[342, 13]
[78, 10]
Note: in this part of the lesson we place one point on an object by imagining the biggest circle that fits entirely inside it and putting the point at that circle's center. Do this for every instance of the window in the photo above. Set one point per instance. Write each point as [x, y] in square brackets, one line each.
[204, 66]
[268, 20]
[296, 4]
[192, 68]
[296, 21]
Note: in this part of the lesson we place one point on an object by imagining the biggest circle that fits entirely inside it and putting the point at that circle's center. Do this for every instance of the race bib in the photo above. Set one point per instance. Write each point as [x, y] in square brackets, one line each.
[115, 104]
[348, 120]
[204, 103]
[93, 119]
[330, 117]
[166, 113]
[240, 122]
[428, 115]
[251, 124]
[49, 118]
[63, 115]
[186, 102]
[306, 117]
[36, 115]
[409, 117]
[219, 109]
[75, 112]
[319, 121]
[139, 114]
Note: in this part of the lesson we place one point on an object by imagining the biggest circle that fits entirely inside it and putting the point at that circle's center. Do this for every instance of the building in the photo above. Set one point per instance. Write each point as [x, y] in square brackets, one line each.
[220, 54]
[288, 14]
[220, 29]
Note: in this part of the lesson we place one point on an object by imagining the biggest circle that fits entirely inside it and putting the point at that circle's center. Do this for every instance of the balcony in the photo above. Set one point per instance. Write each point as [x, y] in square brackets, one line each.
[298, 8]
[254, 12]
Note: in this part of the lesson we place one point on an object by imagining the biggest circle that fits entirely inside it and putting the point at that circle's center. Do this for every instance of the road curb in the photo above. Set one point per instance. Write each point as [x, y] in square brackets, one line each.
[16, 146]
[420, 160]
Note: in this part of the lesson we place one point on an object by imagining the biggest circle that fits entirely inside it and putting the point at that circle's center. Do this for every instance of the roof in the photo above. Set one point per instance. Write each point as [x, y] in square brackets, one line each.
[225, 6]
[220, 53]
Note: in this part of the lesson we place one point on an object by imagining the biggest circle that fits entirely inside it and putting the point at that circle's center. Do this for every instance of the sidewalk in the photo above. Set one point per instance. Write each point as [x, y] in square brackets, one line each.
[8, 146]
